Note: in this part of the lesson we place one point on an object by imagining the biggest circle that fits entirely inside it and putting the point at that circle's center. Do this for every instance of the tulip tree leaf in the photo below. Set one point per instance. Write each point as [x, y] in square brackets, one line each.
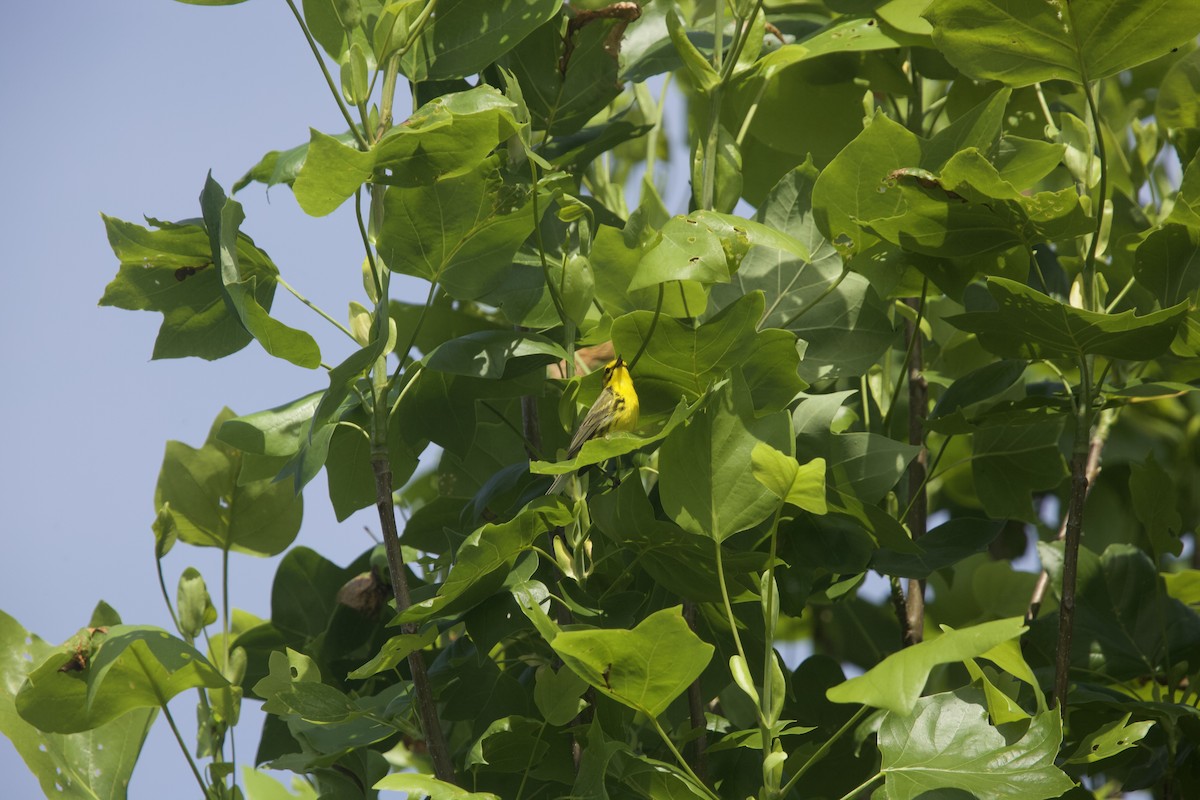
[1029, 324]
[939, 548]
[209, 507]
[88, 764]
[946, 743]
[644, 668]
[445, 137]
[460, 231]
[482, 562]
[467, 35]
[169, 268]
[896, 682]
[1125, 622]
[1014, 460]
[133, 667]
[222, 218]
[1021, 42]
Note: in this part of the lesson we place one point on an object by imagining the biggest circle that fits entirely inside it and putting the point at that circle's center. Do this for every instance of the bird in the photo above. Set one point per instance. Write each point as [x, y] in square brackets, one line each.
[616, 409]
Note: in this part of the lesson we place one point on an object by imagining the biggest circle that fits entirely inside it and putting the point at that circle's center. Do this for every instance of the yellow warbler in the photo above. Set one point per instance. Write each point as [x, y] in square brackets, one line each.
[616, 409]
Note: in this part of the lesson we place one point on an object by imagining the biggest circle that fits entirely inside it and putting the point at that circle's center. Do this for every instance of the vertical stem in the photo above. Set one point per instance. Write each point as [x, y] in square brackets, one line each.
[918, 502]
[1099, 437]
[333, 89]
[696, 716]
[162, 703]
[431, 727]
[1074, 533]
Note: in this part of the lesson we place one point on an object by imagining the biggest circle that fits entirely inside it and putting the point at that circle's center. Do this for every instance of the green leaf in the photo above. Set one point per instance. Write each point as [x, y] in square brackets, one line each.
[447, 136]
[395, 651]
[682, 360]
[482, 562]
[284, 670]
[1126, 626]
[488, 354]
[1115, 737]
[331, 172]
[941, 197]
[317, 702]
[419, 786]
[1177, 108]
[979, 385]
[167, 268]
[946, 743]
[945, 545]
[703, 480]
[868, 464]
[277, 431]
[208, 508]
[1029, 324]
[686, 249]
[282, 166]
[467, 35]
[1156, 505]
[134, 667]
[461, 231]
[644, 668]
[1167, 264]
[222, 218]
[1078, 42]
[303, 595]
[701, 72]
[1013, 460]
[777, 142]
[95, 763]
[896, 682]
[261, 786]
[558, 694]
[802, 486]
[566, 88]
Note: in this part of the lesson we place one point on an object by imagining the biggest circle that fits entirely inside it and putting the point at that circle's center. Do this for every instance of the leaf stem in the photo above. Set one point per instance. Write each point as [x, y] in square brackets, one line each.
[162, 584]
[279, 279]
[823, 749]
[853, 793]
[162, 703]
[682, 761]
[1090, 289]
[337, 95]
[737, 639]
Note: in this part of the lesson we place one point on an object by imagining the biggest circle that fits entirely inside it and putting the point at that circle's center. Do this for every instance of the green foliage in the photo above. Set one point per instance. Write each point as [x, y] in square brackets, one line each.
[969, 280]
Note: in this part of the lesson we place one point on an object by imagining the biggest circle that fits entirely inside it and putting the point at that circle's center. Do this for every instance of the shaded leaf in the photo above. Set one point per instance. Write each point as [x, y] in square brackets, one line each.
[1029, 324]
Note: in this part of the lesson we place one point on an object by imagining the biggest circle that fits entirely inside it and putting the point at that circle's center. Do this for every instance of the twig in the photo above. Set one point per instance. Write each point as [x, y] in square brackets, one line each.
[918, 503]
[443, 767]
[1093, 471]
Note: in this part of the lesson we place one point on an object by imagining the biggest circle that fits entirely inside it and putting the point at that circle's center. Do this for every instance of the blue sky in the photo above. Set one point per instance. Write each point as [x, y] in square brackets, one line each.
[123, 107]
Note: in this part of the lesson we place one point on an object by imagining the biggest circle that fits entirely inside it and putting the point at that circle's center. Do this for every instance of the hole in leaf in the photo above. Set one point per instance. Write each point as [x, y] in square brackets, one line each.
[295, 672]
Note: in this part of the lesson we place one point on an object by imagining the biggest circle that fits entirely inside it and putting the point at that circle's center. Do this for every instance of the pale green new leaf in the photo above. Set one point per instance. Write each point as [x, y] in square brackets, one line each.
[896, 682]
[644, 668]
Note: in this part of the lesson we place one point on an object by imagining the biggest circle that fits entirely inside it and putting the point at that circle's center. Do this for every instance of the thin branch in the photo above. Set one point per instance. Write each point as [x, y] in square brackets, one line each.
[337, 94]
[1096, 447]
[918, 501]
